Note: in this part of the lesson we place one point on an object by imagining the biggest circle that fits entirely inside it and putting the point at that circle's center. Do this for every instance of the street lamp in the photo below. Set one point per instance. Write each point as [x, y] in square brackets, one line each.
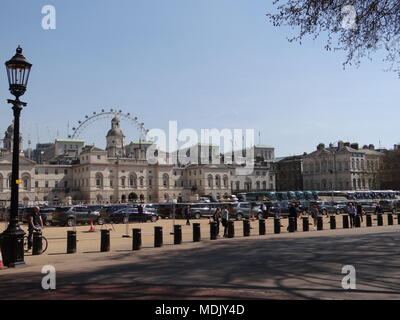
[12, 239]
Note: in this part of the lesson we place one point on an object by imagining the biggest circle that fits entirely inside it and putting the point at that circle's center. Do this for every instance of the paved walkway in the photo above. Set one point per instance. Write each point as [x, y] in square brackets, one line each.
[285, 266]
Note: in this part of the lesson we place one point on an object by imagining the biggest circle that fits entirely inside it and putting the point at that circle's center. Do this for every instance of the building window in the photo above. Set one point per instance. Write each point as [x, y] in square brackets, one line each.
[46, 184]
[56, 171]
[99, 180]
[46, 171]
[165, 179]
[36, 184]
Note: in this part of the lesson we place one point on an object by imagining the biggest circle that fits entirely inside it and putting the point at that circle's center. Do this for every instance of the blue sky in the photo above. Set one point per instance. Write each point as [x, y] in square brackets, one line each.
[207, 64]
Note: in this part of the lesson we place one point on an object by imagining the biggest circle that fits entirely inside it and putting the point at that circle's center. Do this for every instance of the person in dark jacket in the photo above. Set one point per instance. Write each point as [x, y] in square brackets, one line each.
[187, 214]
[360, 211]
[352, 214]
[378, 209]
[35, 224]
[217, 218]
[293, 213]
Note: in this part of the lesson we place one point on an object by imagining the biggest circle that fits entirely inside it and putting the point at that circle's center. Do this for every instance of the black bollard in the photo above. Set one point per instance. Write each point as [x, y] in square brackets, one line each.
[380, 220]
[261, 227]
[136, 239]
[306, 224]
[277, 225]
[320, 223]
[196, 232]
[291, 227]
[369, 220]
[231, 229]
[345, 221]
[177, 234]
[398, 218]
[390, 219]
[105, 240]
[246, 228]
[37, 244]
[332, 222]
[158, 237]
[71, 241]
[357, 221]
[213, 231]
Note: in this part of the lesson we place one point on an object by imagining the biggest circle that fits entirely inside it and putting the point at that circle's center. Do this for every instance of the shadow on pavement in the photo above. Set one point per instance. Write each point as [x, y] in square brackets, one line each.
[300, 268]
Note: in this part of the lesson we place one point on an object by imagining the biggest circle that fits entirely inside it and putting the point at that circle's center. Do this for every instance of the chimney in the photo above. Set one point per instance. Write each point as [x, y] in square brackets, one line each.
[321, 146]
[354, 146]
[371, 147]
[347, 144]
[340, 145]
[365, 147]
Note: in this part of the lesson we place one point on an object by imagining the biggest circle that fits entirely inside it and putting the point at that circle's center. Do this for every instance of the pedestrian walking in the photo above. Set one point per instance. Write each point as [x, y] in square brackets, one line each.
[217, 218]
[293, 213]
[263, 208]
[378, 209]
[360, 211]
[187, 214]
[352, 214]
[314, 214]
[35, 223]
[225, 219]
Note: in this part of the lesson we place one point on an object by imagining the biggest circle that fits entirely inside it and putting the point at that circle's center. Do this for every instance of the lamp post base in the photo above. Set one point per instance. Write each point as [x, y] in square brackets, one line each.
[12, 248]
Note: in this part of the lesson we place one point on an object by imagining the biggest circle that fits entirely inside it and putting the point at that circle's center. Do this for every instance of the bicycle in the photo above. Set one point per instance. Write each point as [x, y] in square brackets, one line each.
[44, 241]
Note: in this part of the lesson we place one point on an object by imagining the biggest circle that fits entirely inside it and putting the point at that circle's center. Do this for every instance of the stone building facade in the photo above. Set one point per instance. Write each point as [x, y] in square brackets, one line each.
[342, 167]
[289, 173]
[121, 174]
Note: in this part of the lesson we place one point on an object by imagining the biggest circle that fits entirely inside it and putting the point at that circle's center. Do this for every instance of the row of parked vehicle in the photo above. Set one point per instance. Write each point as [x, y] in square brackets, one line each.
[123, 213]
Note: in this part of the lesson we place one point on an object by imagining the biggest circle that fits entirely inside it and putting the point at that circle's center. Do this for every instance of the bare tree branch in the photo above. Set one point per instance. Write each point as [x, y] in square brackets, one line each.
[358, 27]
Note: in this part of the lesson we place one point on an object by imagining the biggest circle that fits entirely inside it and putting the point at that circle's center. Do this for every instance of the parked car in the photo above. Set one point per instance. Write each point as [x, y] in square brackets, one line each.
[389, 205]
[47, 215]
[166, 210]
[242, 210]
[329, 207]
[106, 211]
[72, 215]
[280, 208]
[200, 210]
[204, 199]
[132, 214]
[151, 207]
[369, 207]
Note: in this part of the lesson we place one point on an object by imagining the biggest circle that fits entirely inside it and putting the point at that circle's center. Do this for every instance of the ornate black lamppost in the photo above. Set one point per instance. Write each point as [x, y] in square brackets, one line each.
[12, 239]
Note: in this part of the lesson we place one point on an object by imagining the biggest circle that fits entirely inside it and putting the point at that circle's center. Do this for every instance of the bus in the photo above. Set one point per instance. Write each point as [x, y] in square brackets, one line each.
[261, 196]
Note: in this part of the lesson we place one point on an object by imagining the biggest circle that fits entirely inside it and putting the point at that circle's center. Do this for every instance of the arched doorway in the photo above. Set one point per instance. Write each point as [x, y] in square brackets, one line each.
[132, 197]
[123, 199]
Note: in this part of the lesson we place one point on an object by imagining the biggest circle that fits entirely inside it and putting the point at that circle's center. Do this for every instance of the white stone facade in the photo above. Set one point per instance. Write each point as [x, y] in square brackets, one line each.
[345, 167]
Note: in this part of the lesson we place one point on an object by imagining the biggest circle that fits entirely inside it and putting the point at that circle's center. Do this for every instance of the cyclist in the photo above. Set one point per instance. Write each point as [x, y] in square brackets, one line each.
[35, 223]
